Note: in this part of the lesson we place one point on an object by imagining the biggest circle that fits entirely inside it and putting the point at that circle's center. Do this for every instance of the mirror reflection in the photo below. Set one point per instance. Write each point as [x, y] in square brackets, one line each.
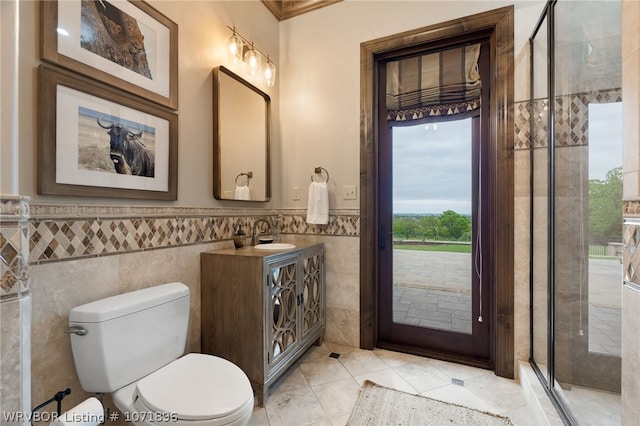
[240, 139]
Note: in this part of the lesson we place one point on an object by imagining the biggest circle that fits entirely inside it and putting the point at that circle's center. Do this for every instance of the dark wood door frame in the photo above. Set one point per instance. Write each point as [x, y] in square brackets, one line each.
[499, 25]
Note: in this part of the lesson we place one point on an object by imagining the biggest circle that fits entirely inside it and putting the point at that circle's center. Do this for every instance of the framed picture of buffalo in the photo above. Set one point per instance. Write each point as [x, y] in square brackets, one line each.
[127, 44]
[94, 140]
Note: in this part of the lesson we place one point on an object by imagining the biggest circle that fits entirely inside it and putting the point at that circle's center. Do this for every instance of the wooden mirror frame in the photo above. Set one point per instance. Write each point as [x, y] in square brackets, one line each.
[219, 141]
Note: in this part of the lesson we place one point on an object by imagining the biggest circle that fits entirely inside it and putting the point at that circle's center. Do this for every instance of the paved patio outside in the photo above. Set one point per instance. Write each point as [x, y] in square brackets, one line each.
[432, 289]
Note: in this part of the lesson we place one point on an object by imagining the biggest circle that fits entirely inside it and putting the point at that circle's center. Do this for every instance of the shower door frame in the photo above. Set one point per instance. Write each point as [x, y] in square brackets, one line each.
[558, 402]
[549, 380]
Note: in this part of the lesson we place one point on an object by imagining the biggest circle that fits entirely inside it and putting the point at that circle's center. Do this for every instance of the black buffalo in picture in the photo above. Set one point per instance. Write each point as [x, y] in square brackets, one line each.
[129, 155]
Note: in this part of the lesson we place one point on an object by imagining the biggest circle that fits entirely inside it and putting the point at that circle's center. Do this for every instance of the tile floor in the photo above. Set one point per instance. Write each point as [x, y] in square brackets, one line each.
[592, 407]
[320, 390]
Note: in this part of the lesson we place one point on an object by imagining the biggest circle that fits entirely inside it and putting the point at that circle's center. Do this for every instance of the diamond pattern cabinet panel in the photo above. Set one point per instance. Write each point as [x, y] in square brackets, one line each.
[262, 309]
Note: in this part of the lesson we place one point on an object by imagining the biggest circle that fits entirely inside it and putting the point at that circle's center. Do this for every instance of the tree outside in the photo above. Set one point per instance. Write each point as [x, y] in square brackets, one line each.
[605, 208]
[449, 226]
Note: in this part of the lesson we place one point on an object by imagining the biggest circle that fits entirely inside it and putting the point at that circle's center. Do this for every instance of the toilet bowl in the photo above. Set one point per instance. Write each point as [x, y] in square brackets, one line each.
[194, 390]
[149, 381]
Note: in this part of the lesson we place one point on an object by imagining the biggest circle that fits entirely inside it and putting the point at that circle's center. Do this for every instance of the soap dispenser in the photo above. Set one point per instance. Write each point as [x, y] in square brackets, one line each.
[240, 238]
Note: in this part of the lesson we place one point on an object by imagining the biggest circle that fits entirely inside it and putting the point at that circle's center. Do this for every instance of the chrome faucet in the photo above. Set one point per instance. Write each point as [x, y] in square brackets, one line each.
[255, 235]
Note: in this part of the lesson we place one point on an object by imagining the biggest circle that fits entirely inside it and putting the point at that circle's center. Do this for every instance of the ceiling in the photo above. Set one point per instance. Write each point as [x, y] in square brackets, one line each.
[285, 9]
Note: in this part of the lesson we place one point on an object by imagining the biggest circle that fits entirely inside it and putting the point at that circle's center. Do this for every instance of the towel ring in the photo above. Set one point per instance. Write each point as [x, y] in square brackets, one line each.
[318, 171]
[249, 175]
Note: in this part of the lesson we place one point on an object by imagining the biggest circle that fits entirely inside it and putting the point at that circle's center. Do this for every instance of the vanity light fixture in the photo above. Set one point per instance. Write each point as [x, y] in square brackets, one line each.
[253, 61]
[270, 72]
[235, 46]
[240, 49]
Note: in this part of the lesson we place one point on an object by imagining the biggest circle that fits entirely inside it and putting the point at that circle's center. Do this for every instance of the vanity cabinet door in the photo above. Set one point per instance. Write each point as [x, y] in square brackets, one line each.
[312, 292]
[262, 310]
[282, 310]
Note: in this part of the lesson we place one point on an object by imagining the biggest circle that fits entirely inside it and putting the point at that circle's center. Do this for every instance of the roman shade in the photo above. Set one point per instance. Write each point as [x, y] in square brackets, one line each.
[438, 84]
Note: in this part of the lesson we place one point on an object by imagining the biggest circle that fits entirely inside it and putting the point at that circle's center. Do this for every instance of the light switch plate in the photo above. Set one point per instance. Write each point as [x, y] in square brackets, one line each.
[349, 192]
[296, 193]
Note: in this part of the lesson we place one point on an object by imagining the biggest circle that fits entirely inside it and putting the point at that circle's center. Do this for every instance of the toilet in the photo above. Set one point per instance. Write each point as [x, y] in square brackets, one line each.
[132, 345]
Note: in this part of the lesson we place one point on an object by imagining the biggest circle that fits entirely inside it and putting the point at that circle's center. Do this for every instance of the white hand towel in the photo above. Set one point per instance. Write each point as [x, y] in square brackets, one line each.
[243, 193]
[318, 204]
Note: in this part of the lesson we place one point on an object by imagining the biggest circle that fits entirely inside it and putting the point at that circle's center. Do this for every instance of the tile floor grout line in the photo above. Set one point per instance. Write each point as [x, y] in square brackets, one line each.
[285, 406]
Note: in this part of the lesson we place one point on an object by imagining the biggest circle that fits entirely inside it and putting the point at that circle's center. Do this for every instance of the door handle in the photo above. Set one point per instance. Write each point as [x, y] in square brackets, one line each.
[382, 237]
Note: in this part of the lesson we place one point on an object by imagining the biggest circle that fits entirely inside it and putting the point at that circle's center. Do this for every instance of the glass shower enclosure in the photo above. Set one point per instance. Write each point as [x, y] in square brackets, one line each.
[576, 208]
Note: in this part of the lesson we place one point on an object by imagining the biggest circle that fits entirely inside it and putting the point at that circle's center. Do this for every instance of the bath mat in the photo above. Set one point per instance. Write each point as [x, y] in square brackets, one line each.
[381, 406]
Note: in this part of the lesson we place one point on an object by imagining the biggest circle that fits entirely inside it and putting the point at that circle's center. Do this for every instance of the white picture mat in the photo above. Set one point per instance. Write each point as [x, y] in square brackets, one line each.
[67, 170]
[156, 36]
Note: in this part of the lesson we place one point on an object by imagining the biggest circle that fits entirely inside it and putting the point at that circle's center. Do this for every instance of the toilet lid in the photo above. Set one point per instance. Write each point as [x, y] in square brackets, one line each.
[196, 387]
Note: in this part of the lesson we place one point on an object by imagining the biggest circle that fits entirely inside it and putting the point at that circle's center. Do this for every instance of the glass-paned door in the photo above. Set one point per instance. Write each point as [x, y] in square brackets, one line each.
[577, 196]
[432, 226]
[434, 287]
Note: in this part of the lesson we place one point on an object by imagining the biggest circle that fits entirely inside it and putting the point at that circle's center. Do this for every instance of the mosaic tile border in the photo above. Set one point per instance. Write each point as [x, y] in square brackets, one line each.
[60, 233]
[14, 246]
[51, 211]
[572, 124]
[14, 207]
[521, 125]
[631, 208]
[631, 254]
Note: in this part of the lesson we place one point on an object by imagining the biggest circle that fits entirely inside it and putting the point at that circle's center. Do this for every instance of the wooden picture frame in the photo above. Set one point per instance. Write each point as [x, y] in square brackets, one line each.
[126, 44]
[94, 140]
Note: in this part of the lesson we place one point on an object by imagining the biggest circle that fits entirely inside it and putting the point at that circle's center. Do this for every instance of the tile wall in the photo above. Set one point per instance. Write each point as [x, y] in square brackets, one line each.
[521, 229]
[631, 212]
[73, 261]
[73, 252]
[15, 305]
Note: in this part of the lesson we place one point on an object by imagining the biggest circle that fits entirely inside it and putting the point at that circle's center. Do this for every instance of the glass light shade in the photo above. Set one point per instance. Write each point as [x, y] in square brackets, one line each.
[270, 74]
[235, 46]
[253, 61]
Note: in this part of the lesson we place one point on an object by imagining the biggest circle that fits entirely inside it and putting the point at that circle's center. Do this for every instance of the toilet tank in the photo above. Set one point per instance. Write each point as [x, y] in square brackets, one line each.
[129, 335]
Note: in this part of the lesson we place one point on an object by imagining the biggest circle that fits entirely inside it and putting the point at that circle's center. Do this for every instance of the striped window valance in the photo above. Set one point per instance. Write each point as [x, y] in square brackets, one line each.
[438, 84]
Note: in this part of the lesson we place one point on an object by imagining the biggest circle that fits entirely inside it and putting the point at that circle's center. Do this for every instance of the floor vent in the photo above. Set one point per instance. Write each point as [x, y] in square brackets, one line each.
[457, 382]
[334, 355]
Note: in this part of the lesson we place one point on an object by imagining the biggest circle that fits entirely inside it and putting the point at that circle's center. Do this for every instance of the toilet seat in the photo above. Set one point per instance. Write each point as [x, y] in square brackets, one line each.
[196, 388]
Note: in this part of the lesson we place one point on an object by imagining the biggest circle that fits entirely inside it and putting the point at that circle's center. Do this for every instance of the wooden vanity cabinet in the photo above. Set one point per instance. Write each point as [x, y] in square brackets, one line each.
[262, 310]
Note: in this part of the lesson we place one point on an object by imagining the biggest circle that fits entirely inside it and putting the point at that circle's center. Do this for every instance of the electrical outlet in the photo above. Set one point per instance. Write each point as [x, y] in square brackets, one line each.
[227, 195]
[296, 193]
[349, 192]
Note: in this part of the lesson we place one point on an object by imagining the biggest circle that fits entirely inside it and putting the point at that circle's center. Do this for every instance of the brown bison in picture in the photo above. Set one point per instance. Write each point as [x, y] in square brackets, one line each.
[112, 34]
[129, 155]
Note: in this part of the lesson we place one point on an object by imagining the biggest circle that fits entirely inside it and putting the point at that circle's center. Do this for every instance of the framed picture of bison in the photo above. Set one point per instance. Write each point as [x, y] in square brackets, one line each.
[94, 140]
[127, 44]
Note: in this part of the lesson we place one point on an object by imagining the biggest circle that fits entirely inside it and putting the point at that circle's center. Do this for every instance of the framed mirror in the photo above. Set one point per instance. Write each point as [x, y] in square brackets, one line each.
[241, 139]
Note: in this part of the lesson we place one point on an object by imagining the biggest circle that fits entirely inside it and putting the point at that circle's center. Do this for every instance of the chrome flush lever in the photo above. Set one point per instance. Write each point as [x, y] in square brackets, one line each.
[76, 329]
